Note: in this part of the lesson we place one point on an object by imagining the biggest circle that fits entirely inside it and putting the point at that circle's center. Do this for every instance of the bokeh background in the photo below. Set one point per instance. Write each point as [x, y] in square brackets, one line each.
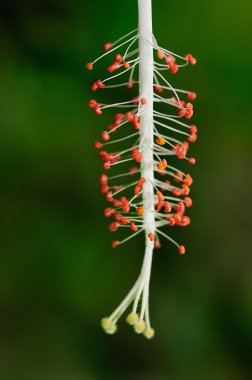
[58, 273]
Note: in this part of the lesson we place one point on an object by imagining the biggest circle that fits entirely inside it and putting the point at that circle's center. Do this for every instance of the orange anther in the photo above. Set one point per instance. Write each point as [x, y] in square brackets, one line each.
[167, 207]
[143, 101]
[133, 226]
[151, 236]
[137, 190]
[177, 218]
[159, 205]
[193, 129]
[162, 165]
[126, 209]
[181, 249]
[185, 221]
[115, 243]
[141, 181]
[118, 216]
[188, 180]
[192, 160]
[171, 221]
[192, 137]
[178, 177]
[160, 54]
[89, 65]
[176, 192]
[186, 189]
[180, 208]
[188, 201]
[140, 210]
[160, 141]
[160, 196]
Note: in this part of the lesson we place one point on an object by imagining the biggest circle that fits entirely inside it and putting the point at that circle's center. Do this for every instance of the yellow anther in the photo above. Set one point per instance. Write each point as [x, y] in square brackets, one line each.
[132, 318]
[139, 327]
[149, 333]
[160, 54]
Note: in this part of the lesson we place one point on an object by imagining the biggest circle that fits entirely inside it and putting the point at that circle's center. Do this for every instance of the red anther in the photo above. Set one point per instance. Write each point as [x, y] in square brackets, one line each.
[115, 243]
[104, 189]
[107, 46]
[186, 189]
[189, 114]
[180, 208]
[129, 116]
[118, 216]
[125, 221]
[109, 196]
[171, 221]
[169, 59]
[180, 104]
[105, 135]
[118, 116]
[176, 192]
[188, 201]
[106, 165]
[193, 129]
[118, 58]
[181, 249]
[133, 170]
[135, 118]
[137, 190]
[140, 210]
[141, 181]
[167, 207]
[126, 209]
[185, 221]
[173, 68]
[97, 145]
[190, 59]
[143, 101]
[182, 113]
[126, 65]
[151, 236]
[94, 86]
[192, 160]
[103, 179]
[136, 155]
[137, 126]
[189, 106]
[177, 218]
[159, 89]
[192, 137]
[157, 244]
[167, 182]
[124, 201]
[113, 67]
[160, 141]
[102, 154]
[185, 145]
[162, 165]
[133, 226]
[116, 203]
[159, 205]
[131, 83]
[100, 84]
[160, 54]
[188, 180]
[191, 95]
[109, 211]
[179, 177]
[160, 196]
[89, 65]
[111, 127]
[113, 226]
[97, 109]
[92, 103]
[135, 100]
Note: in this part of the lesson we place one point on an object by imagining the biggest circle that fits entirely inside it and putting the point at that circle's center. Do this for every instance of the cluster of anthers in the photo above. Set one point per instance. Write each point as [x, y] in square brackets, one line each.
[157, 194]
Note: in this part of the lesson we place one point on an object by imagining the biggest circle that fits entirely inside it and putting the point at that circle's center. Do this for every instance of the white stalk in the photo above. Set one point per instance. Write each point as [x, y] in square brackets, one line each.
[146, 67]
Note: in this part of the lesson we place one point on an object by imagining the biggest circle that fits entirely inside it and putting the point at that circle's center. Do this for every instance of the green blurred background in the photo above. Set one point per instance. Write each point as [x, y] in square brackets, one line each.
[58, 274]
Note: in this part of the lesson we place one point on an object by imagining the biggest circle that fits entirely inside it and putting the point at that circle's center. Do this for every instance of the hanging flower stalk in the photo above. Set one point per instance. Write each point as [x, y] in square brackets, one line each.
[157, 196]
